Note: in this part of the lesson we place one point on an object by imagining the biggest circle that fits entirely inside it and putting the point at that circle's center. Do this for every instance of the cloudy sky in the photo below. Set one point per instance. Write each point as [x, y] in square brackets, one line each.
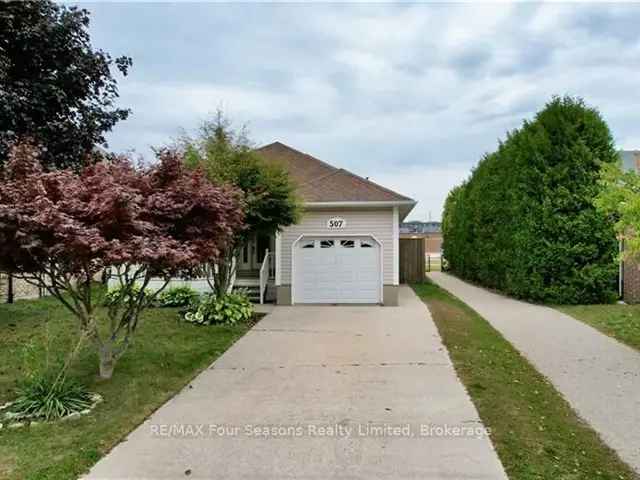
[410, 95]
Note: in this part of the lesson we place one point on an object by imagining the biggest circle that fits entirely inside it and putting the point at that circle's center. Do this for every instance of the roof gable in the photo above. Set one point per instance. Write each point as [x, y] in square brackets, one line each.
[318, 181]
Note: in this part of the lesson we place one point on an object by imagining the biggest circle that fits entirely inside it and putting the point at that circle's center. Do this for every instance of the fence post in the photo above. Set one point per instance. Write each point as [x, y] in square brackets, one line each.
[9, 288]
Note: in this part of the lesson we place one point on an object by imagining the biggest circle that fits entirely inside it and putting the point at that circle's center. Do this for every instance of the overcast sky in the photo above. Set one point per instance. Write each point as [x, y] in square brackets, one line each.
[408, 95]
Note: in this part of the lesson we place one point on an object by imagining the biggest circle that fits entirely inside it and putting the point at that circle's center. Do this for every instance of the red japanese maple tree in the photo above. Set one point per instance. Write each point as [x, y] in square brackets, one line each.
[60, 229]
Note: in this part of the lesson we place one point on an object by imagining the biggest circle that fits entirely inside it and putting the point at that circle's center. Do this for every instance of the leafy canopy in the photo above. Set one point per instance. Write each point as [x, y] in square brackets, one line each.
[525, 223]
[59, 229]
[112, 213]
[55, 87]
[227, 156]
[619, 199]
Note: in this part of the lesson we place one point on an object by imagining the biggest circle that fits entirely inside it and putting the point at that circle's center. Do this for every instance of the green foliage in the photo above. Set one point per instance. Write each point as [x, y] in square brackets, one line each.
[230, 309]
[525, 223]
[48, 397]
[178, 297]
[122, 295]
[56, 87]
[46, 392]
[227, 156]
[619, 199]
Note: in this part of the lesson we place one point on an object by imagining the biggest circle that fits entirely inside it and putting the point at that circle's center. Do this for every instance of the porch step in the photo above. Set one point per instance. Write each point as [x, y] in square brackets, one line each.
[252, 291]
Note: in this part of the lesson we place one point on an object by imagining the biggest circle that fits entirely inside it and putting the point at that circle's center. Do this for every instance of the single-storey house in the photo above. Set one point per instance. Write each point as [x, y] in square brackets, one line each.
[345, 248]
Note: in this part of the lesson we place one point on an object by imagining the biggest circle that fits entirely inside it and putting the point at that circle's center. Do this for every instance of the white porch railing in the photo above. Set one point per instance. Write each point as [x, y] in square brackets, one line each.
[264, 275]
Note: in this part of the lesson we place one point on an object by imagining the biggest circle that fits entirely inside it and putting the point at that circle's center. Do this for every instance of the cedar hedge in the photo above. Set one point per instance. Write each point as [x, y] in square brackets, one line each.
[524, 222]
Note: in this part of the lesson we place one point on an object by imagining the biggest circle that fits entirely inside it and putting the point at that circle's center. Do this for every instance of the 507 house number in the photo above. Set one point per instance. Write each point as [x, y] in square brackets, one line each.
[336, 223]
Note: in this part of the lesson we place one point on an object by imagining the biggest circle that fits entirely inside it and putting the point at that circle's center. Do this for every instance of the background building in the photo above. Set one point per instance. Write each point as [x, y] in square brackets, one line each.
[430, 231]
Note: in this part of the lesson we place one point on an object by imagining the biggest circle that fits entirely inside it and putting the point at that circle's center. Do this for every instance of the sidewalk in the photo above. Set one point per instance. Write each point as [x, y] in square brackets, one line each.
[597, 375]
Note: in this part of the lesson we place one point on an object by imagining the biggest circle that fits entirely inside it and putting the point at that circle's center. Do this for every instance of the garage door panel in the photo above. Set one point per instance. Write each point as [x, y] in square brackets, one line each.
[343, 272]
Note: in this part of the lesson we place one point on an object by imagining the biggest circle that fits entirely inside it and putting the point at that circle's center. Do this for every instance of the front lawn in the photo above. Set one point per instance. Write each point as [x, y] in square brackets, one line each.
[165, 356]
[535, 432]
[621, 322]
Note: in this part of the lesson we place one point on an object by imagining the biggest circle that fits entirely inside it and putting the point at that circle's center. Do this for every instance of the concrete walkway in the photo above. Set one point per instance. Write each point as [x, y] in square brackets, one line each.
[598, 376]
[319, 393]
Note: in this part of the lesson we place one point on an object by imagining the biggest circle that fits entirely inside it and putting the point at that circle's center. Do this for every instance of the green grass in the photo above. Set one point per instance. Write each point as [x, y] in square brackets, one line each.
[621, 322]
[165, 356]
[535, 432]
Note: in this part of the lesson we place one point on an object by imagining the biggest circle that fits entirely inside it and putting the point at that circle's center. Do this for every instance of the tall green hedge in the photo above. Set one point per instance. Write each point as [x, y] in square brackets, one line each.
[524, 222]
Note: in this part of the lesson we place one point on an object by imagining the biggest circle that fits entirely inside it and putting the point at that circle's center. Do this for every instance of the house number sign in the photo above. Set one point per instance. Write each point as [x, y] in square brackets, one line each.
[336, 223]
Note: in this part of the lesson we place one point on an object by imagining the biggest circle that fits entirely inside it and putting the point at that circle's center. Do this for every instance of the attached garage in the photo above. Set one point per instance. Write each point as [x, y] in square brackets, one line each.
[340, 269]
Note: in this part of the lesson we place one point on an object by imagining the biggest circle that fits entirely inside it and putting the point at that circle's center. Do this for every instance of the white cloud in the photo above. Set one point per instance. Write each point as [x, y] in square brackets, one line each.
[429, 185]
[411, 95]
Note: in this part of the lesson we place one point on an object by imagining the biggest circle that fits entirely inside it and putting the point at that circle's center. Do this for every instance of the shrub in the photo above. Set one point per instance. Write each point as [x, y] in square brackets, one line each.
[140, 222]
[178, 297]
[48, 397]
[525, 223]
[230, 309]
[46, 392]
[120, 296]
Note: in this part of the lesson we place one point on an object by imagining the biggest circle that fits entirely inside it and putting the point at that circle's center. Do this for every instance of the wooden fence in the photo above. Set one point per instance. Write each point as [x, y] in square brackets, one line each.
[412, 260]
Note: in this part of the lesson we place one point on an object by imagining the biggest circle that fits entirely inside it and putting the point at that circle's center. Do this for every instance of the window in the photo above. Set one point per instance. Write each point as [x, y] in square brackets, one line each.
[308, 244]
[347, 243]
[326, 243]
[365, 244]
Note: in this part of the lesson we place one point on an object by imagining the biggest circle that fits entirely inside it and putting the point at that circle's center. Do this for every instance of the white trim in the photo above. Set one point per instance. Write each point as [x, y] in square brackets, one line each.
[278, 257]
[396, 246]
[394, 203]
[335, 235]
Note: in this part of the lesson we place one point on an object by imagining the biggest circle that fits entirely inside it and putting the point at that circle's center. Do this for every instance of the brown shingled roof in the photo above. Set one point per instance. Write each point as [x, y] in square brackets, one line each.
[318, 181]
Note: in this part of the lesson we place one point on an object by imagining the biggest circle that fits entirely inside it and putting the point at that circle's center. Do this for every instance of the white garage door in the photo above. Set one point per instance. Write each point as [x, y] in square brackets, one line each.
[337, 270]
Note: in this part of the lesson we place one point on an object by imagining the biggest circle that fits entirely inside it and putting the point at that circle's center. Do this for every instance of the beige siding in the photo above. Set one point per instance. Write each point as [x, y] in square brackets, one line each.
[376, 222]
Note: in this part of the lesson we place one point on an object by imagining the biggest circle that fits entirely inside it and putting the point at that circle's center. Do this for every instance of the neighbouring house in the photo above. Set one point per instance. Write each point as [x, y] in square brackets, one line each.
[344, 249]
[16, 289]
[629, 284]
[430, 231]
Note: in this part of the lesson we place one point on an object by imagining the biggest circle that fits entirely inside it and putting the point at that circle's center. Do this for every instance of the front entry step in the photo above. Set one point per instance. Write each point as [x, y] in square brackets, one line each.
[252, 291]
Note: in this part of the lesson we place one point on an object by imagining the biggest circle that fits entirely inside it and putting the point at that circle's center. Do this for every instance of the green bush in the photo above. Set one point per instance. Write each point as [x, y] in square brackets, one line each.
[117, 295]
[228, 309]
[525, 223]
[178, 297]
[48, 397]
[46, 392]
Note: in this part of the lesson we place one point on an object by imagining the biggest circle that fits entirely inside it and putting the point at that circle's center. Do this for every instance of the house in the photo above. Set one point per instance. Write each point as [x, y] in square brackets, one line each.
[16, 289]
[345, 248]
[430, 231]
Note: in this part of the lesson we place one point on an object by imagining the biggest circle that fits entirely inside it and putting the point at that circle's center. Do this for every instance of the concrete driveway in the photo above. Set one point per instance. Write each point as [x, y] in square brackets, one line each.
[318, 393]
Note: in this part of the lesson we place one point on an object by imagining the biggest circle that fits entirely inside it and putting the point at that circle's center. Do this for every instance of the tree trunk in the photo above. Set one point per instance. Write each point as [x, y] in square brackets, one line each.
[107, 361]
[9, 288]
[223, 273]
[222, 278]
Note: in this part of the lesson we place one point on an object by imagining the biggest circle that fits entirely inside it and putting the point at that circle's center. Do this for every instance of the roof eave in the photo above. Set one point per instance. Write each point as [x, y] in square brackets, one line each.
[404, 206]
